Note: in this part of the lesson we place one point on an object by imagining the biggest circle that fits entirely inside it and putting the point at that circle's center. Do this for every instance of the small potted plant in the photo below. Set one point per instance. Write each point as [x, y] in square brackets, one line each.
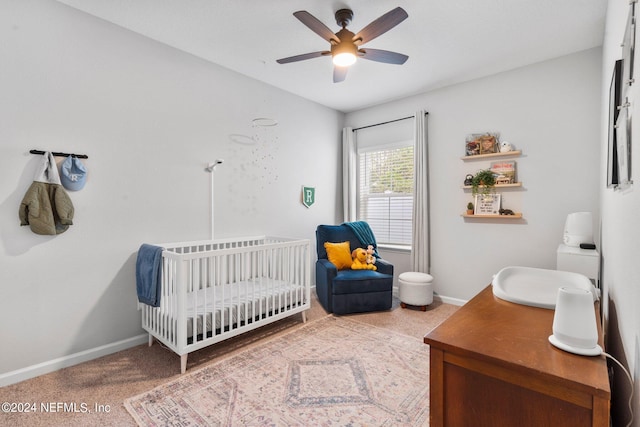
[469, 208]
[483, 182]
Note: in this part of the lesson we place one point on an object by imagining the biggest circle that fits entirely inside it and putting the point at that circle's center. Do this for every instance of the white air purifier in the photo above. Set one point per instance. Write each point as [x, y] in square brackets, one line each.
[574, 323]
[578, 229]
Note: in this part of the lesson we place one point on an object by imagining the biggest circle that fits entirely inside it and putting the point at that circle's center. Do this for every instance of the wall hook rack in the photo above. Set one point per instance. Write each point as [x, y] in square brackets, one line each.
[58, 154]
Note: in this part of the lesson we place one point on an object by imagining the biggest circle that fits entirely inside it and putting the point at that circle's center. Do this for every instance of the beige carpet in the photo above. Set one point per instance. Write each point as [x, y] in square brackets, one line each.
[108, 381]
[333, 371]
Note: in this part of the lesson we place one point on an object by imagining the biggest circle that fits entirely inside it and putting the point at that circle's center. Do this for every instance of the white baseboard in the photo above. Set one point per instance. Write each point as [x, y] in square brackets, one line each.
[436, 296]
[70, 360]
[449, 300]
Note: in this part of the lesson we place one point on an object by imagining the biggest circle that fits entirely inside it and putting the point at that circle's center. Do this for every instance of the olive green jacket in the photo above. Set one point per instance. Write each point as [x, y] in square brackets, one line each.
[46, 207]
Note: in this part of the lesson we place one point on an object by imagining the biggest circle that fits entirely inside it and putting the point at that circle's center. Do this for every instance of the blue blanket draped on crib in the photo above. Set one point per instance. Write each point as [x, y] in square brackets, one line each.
[148, 271]
[363, 232]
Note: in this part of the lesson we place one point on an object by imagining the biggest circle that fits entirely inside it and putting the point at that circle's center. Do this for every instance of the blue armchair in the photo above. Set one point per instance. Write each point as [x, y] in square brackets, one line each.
[351, 291]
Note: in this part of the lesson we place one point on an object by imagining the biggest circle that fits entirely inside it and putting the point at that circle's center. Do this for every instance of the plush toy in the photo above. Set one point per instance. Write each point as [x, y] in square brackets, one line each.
[371, 259]
[359, 257]
[505, 147]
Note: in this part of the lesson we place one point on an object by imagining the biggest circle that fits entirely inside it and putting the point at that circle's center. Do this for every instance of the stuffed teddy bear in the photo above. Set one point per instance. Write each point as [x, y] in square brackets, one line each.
[371, 259]
[359, 257]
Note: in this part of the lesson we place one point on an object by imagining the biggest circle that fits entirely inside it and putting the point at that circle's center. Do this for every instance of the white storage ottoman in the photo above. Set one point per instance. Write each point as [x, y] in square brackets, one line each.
[415, 289]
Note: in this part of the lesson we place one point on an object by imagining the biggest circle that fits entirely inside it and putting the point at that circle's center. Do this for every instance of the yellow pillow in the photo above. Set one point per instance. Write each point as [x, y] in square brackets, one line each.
[339, 254]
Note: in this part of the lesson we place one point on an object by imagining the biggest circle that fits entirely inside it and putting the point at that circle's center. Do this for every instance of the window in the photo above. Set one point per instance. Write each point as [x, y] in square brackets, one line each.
[385, 192]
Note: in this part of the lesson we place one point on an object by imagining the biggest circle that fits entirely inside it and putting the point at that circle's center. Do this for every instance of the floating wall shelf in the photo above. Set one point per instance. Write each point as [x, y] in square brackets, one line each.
[514, 216]
[515, 153]
[488, 156]
[515, 184]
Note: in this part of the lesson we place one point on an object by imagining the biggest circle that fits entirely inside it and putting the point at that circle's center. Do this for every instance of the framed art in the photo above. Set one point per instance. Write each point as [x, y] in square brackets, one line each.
[614, 105]
[488, 204]
[482, 143]
[504, 172]
[623, 135]
[472, 147]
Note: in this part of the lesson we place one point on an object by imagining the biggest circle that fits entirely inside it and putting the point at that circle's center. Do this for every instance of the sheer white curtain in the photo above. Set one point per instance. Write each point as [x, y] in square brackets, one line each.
[420, 260]
[349, 170]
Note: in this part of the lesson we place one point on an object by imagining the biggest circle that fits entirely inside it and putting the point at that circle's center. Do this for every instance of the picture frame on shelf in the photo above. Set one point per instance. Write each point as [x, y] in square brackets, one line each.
[482, 143]
[487, 204]
[471, 148]
[504, 171]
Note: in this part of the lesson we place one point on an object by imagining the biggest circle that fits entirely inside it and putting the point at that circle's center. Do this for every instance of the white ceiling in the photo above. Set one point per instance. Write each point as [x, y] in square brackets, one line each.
[448, 41]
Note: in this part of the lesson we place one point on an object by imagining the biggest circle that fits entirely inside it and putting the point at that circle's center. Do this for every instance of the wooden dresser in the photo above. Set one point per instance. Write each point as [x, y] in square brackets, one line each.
[492, 365]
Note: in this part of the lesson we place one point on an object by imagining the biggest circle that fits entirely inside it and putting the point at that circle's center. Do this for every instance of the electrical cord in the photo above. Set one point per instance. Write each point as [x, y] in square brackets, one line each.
[630, 382]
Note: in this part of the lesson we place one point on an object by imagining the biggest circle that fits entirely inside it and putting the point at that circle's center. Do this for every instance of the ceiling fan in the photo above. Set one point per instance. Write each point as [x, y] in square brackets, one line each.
[345, 45]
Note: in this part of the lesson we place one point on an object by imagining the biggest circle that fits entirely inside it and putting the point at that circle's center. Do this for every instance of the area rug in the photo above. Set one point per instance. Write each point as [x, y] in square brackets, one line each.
[330, 372]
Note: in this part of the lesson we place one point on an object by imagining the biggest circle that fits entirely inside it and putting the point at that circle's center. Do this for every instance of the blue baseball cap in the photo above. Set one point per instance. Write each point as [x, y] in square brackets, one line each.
[74, 174]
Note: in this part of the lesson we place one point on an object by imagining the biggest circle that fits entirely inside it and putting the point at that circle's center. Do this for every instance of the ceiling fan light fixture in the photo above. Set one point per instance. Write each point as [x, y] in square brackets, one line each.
[344, 59]
[344, 54]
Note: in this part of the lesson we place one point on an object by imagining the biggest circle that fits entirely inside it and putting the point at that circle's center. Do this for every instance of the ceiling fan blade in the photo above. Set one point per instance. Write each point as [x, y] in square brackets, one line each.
[339, 74]
[303, 57]
[385, 56]
[316, 25]
[381, 25]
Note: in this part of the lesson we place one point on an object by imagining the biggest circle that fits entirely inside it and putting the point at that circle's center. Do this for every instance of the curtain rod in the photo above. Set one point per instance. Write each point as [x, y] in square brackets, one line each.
[387, 122]
[57, 154]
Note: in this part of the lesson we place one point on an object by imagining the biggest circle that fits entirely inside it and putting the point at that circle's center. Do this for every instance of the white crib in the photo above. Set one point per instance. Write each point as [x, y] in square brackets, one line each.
[214, 290]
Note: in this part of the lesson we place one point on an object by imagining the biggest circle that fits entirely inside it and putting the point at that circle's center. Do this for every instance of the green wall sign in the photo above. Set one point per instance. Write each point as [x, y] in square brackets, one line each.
[308, 196]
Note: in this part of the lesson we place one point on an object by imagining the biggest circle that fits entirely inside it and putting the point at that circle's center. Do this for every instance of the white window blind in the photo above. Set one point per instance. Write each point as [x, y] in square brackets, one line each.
[386, 192]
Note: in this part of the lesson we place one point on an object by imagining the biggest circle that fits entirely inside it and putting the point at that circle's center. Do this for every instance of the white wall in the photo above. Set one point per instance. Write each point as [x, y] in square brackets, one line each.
[620, 233]
[150, 118]
[551, 111]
